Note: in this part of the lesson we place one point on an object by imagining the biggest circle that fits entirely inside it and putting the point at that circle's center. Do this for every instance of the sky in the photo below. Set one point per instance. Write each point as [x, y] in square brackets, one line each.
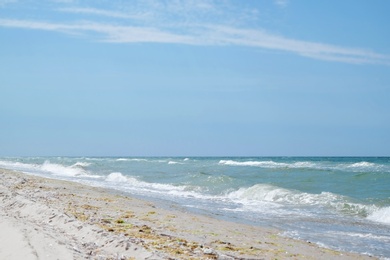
[194, 78]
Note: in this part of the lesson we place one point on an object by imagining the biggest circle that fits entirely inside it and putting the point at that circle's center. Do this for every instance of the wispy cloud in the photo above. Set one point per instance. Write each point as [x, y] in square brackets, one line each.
[263, 39]
[156, 26]
[110, 33]
[5, 2]
[282, 3]
[99, 12]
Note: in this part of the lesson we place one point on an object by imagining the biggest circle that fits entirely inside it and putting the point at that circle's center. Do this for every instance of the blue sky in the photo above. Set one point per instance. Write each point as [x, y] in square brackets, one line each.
[195, 78]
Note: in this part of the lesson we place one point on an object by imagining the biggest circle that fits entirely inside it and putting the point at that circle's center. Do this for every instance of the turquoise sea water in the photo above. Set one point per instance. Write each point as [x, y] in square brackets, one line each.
[341, 203]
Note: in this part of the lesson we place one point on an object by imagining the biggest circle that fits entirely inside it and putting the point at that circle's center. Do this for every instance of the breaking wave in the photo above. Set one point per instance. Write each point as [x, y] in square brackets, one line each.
[381, 215]
[131, 160]
[77, 169]
[267, 164]
[269, 193]
[320, 165]
[116, 177]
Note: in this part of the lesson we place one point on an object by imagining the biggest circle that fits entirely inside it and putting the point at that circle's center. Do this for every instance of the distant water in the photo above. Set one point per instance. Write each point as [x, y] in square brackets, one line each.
[340, 203]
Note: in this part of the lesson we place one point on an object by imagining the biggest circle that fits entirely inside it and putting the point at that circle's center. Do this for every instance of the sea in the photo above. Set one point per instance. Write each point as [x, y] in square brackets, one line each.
[341, 203]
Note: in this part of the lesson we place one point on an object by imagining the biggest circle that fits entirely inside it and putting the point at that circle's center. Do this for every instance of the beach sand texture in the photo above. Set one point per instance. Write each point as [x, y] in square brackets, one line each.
[52, 219]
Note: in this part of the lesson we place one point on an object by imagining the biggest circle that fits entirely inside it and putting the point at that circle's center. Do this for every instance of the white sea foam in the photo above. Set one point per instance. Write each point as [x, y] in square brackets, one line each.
[116, 177]
[122, 182]
[205, 184]
[362, 165]
[47, 168]
[131, 160]
[61, 170]
[173, 162]
[260, 193]
[267, 164]
[356, 167]
[81, 164]
[134, 183]
[270, 193]
[381, 215]
[361, 235]
[252, 163]
[16, 165]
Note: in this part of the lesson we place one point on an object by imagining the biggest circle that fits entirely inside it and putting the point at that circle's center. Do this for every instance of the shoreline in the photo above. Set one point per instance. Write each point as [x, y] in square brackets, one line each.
[45, 218]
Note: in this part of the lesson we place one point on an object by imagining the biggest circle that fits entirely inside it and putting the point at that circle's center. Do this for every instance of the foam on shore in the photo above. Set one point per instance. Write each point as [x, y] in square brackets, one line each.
[46, 217]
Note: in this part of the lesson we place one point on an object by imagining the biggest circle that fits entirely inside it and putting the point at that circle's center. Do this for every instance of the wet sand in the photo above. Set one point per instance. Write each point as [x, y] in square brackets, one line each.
[52, 219]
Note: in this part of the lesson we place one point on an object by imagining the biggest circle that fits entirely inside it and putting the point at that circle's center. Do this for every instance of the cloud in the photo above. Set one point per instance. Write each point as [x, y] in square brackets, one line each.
[282, 3]
[156, 25]
[95, 11]
[5, 2]
[111, 33]
[263, 39]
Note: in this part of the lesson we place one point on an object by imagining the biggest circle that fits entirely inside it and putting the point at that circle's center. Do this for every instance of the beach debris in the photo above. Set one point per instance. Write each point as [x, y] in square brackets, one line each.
[99, 231]
[208, 251]
[119, 221]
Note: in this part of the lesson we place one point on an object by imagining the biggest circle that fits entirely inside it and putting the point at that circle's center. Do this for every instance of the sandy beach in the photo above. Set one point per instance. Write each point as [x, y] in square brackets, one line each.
[52, 219]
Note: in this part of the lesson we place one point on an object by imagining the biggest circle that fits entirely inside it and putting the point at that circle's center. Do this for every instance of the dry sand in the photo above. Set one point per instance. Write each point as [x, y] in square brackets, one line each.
[51, 219]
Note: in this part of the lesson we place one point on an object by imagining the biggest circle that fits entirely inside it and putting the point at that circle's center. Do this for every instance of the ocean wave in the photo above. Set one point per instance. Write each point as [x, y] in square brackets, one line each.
[122, 159]
[81, 164]
[361, 235]
[22, 167]
[366, 167]
[131, 160]
[133, 182]
[361, 165]
[381, 215]
[270, 193]
[119, 181]
[173, 162]
[322, 165]
[267, 164]
[75, 170]
[116, 177]
[14, 165]
[260, 192]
